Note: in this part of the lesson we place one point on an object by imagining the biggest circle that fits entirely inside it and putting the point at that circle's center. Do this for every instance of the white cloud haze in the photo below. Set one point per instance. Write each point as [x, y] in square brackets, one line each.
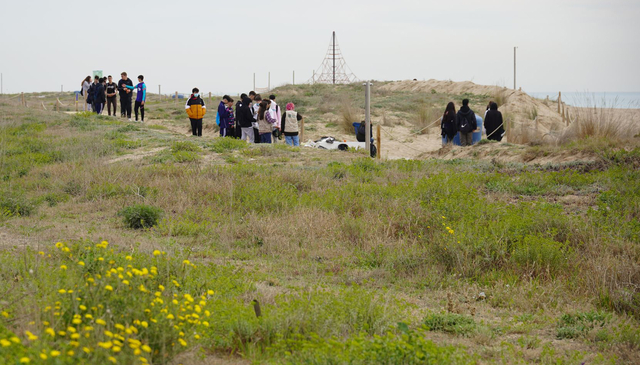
[217, 45]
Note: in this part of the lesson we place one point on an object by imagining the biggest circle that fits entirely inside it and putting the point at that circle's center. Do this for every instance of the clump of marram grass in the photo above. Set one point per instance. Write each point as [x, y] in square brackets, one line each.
[349, 115]
[500, 96]
[426, 117]
[140, 216]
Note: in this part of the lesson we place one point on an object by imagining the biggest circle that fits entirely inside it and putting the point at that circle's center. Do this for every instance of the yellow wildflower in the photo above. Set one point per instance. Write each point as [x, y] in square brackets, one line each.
[43, 356]
[101, 321]
[105, 345]
[70, 353]
[15, 339]
[55, 353]
[128, 258]
[109, 288]
[146, 348]
[63, 267]
[182, 342]
[116, 348]
[50, 332]
[5, 343]
[81, 263]
[30, 336]
[156, 253]
[25, 360]
[112, 359]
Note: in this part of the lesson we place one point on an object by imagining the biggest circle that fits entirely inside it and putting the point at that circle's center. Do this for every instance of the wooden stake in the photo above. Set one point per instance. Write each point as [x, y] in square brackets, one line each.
[22, 99]
[378, 139]
[209, 95]
[301, 130]
[57, 106]
[176, 96]
[559, 100]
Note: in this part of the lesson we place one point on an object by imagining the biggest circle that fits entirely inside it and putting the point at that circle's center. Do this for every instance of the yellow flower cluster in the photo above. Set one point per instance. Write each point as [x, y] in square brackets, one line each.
[115, 312]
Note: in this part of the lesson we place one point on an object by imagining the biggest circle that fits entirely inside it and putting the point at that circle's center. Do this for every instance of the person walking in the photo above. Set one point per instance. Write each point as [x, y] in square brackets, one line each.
[466, 123]
[493, 123]
[244, 117]
[112, 97]
[98, 96]
[86, 84]
[141, 97]
[448, 123]
[223, 115]
[289, 124]
[265, 122]
[125, 95]
[196, 110]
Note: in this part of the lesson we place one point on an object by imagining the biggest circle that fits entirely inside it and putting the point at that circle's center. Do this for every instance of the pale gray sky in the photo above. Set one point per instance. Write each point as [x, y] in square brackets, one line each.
[587, 45]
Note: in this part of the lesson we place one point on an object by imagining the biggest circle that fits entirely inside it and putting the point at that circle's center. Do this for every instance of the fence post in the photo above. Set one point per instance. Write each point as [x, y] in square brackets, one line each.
[176, 97]
[302, 130]
[379, 140]
[57, 105]
[367, 117]
[22, 99]
[209, 95]
[559, 100]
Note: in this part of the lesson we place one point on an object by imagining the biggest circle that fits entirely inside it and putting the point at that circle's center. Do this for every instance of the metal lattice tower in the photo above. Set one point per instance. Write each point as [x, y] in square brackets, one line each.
[334, 69]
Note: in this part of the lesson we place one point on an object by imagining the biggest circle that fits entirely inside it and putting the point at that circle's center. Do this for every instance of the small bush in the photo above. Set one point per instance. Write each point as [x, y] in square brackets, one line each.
[425, 117]
[141, 216]
[15, 205]
[221, 145]
[128, 128]
[579, 324]
[349, 115]
[450, 323]
[184, 146]
[185, 156]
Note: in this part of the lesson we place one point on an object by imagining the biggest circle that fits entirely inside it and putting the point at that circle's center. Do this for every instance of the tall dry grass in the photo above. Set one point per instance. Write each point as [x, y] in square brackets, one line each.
[349, 114]
[424, 118]
[591, 120]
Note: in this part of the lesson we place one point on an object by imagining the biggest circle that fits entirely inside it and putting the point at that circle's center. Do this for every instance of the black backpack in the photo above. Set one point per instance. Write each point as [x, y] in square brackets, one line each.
[361, 135]
[90, 93]
[466, 125]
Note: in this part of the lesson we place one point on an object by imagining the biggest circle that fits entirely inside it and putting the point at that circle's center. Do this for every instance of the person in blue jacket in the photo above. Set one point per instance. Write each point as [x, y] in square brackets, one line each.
[141, 96]
[224, 115]
[99, 98]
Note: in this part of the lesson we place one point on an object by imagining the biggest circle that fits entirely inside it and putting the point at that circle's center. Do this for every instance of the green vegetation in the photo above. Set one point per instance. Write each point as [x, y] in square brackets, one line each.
[140, 216]
[349, 260]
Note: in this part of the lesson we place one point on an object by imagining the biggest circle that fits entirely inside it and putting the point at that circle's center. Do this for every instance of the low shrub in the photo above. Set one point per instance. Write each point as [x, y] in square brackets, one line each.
[222, 145]
[141, 216]
[451, 323]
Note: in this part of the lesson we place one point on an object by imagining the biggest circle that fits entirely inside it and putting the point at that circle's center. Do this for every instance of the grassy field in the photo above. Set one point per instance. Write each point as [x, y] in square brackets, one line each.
[129, 243]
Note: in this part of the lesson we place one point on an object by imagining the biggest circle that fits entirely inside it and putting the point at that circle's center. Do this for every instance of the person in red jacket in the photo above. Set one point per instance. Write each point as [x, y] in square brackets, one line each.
[196, 110]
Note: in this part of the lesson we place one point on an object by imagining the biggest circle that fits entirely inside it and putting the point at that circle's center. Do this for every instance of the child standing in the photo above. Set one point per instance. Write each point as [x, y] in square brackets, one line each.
[196, 110]
[265, 122]
[223, 115]
[141, 96]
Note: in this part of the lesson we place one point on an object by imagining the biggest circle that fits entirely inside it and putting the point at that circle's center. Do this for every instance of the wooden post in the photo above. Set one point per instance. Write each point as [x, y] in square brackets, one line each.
[559, 100]
[22, 99]
[294, 77]
[57, 105]
[378, 139]
[269, 84]
[301, 131]
[537, 125]
[159, 92]
[209, 95]
[564, 117]
[176, 96]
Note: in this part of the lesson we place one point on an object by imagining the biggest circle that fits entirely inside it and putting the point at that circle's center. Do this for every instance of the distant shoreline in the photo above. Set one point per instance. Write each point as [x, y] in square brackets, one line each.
[616, 100]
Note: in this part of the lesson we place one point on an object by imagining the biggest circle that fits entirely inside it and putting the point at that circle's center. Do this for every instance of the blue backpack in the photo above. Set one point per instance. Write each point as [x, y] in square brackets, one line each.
[218, 119]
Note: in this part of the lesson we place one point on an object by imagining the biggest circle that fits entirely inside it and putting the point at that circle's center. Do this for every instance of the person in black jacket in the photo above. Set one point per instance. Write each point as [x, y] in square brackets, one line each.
[493, 123]
[111, 95]
[244, 119]
[99, 98]
[448, 123]
[466, 123]
[125, 95]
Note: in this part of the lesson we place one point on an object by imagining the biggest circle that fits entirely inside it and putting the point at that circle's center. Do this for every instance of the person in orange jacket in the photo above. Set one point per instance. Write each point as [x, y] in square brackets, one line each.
[196, 110]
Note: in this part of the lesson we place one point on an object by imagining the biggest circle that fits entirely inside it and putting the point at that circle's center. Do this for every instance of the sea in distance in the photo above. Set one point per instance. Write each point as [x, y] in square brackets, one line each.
[617, 100]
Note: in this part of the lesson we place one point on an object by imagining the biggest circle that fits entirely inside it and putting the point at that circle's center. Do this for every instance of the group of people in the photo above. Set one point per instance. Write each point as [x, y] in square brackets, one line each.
[464, 123]
[104, 91]
[254, 120]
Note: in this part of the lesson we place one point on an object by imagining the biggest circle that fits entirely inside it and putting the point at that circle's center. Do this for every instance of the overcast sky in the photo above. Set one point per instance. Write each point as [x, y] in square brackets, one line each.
[567, 45]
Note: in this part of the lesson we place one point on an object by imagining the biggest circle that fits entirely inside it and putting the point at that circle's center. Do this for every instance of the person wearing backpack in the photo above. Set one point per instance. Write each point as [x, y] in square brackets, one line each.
[244, 116]
[84, 91]
[275, 112]
[99, 96]
[125, 95]
[265, 122]
[112, 97]
[224, 116]
[196, 110]
[289, 125]
[466, 123]
[448, 123]
[91, 93]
